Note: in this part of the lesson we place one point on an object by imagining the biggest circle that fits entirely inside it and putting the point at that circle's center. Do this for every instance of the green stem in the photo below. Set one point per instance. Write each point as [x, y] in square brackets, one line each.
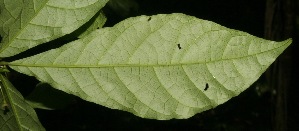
[3, 63]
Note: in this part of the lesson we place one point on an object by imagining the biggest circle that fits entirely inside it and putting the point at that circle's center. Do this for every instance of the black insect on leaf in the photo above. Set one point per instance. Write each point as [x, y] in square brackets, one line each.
[179, 46]
[207, 87]
[149, 18]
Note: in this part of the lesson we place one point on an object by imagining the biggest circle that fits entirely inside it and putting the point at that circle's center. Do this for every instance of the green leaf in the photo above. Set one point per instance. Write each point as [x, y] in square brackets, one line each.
[160, 67]
[25, 24]
[46, 97]
[18, 115]
[96, 24]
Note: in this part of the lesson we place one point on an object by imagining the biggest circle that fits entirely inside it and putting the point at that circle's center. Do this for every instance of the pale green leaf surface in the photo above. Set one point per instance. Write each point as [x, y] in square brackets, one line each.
[137, 65]
[25, 24]
[20, 116]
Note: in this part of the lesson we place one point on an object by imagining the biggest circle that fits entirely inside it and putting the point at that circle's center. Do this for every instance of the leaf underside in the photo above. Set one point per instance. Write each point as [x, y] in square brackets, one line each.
[25, 24]
[19, 116]
[159, 67]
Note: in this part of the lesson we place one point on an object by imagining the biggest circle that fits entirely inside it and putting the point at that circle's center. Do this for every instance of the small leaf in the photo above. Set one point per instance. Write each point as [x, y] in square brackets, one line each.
[18, 116]
[46, 97]
[25, 24]
[136, 65]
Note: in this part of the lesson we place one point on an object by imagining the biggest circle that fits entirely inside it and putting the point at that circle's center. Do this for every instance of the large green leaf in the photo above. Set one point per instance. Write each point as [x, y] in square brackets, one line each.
[19, 116]
[160, 67]
[28, 23]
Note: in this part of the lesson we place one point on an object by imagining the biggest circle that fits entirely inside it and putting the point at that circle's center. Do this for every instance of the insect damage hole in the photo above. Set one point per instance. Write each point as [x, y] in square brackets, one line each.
[5, 107]
[207, 87]
[179, 46]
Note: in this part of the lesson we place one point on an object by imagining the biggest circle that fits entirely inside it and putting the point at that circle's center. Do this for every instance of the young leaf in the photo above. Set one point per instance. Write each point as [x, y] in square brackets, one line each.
[18, 115]
[137, 66]
[25, 24]
[48, 98]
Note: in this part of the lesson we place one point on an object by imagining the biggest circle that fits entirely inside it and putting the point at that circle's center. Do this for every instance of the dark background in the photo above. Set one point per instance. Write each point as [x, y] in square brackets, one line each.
[269, 104]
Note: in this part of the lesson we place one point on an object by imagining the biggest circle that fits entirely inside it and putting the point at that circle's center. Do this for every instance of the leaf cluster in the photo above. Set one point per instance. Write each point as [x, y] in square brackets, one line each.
[159, 67]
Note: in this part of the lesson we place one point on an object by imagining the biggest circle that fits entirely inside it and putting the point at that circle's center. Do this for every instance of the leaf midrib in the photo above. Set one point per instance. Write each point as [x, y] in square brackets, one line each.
[138, 65]
[15, 115]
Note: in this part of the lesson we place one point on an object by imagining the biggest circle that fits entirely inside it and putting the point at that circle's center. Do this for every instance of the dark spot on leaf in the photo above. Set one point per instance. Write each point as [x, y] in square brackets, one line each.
[179, 46]
[98, 28]
[5, 109]
[149, 18]
[207, 87]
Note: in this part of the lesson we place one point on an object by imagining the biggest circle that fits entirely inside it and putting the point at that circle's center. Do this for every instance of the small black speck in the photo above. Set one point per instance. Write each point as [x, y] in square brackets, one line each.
[179, 46]
[207, 86]
[149, 18]
[6, 110]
